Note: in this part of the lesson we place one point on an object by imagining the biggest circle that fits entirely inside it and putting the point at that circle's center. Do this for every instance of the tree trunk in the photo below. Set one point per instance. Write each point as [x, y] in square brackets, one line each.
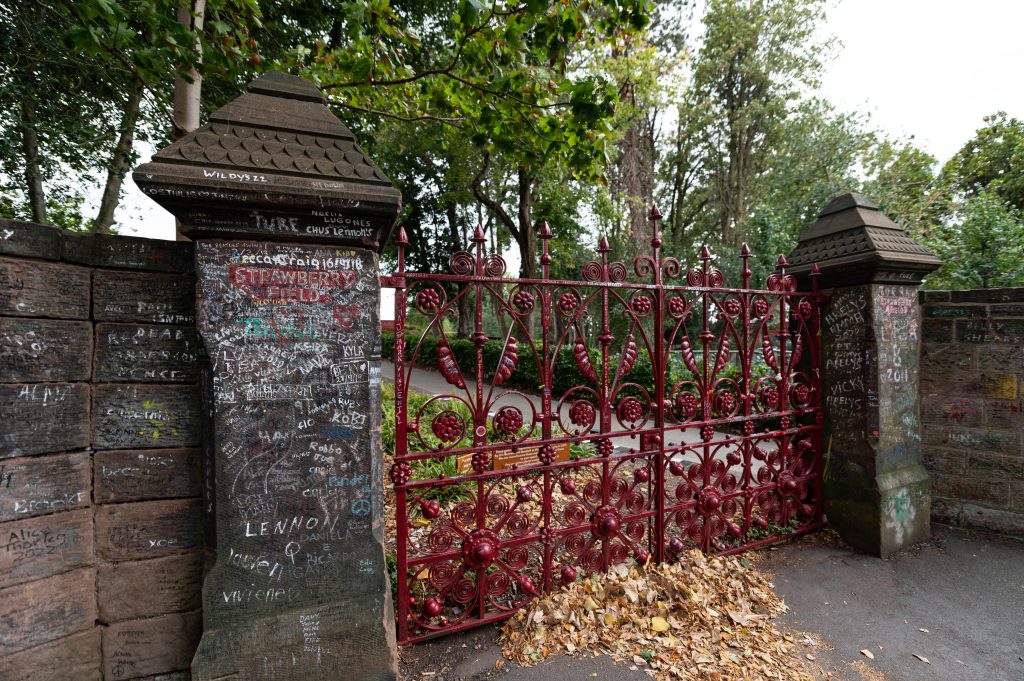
[466, 302]
[188, 83]
[119, 163]
[526, 236]
[33, 173]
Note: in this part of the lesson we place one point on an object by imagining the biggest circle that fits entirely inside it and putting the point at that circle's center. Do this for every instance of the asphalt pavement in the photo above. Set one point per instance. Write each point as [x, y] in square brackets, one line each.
[957, 601]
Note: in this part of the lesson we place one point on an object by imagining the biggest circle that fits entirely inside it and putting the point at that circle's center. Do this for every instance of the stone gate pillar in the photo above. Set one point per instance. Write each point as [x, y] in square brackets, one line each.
[877, 492]
[288, 215]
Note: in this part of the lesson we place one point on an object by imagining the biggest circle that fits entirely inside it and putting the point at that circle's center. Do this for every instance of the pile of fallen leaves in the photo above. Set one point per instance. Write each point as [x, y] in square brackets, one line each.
[698, 618]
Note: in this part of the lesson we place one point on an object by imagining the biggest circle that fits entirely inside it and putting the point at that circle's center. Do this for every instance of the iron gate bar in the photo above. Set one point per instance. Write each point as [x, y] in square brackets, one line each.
[478, 561]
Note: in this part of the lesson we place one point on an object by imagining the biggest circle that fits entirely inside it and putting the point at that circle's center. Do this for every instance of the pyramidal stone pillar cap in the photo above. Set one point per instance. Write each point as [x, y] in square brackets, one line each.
[274, 163]
[853, 242]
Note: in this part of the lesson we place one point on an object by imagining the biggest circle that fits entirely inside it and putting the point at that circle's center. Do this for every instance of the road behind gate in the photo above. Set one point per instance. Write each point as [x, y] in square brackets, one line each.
[965, 589]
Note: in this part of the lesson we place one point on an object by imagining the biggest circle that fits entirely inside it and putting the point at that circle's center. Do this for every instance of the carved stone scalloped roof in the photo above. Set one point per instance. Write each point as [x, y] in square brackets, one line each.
[854, 242]
[279, 152]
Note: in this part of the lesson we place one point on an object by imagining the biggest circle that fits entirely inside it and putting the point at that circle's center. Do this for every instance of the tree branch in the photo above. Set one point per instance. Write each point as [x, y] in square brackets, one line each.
[494, 206]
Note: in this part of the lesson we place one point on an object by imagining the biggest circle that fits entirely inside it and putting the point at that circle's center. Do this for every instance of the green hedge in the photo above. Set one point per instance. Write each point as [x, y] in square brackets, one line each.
[526, 377]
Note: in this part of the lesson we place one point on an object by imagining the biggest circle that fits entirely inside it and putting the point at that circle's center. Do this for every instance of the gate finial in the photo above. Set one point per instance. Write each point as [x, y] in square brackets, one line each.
[654, 216]
[545, 234]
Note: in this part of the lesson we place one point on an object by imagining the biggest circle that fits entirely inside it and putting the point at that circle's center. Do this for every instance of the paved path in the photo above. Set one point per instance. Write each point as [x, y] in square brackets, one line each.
[966, 589]
[433, 383]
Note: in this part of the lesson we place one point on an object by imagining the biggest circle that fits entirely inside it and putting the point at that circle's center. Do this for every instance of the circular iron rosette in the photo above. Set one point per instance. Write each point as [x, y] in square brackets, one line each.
[578, 410]
[678, 308]
[515, 420]
[767, 396]
[804, 309]
[439, 516]
[595, 529]
[785, 483]
[463, 264]
[569, 302]
[684, 524]
[632, 406]
[431, 300]
[514, 505]
[761, 307]
[522, 300]
[684, 403]
[516, 577]
[441, 595]
[726, 398]
[640, 304]
[802, 392]
[450, 427]
[704, 278]
[781, 283]
[731, 308]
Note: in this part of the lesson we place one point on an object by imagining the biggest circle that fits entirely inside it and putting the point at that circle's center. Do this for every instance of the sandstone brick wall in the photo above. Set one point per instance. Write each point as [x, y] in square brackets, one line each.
[100, 477]
[972, 407]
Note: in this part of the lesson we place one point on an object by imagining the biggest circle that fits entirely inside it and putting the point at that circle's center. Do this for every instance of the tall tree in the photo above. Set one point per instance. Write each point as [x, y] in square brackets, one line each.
[982, 246]
[991, 162]
[755, 58]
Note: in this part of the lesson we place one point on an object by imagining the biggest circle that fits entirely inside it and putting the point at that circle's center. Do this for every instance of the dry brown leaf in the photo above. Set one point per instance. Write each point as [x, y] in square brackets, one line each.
[707, 618]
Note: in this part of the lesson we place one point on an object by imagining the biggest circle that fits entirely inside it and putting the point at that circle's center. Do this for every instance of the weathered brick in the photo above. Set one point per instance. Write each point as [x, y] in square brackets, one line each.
[952, 382]
[1001, 358]
[38, 350]
[946, 511]
[993, 520]
[995, 466]
[1017, 496]
[48, 609]
[73, 658]
[973, 439]
[143, 297]
[184, 675]
[953, 311]
[43, 289]
[128, 252]
[44, 546]
[44, 484]
[137, 416]
[1004, 413]
[1004, 331]
[151, 646]
[148, 529]
[29, 239]
[936, 331]
[43, 417]
[1000, 386]
[149, 353]
[999, 311]
[955, 411]
[147, 588]
[988, 295]
[937, 359]
[133, 475]
[984, 490]
[940, 460]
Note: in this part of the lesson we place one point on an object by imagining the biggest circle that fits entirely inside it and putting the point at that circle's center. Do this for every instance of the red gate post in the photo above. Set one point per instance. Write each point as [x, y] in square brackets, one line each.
[877, 492]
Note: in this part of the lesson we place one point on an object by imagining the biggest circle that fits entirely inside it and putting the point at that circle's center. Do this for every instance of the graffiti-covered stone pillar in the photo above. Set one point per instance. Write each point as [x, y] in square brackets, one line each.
[877, 492]
[288, 216]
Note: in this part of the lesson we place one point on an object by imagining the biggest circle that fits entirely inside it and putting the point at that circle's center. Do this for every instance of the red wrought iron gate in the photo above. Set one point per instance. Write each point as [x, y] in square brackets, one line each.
[588, 421]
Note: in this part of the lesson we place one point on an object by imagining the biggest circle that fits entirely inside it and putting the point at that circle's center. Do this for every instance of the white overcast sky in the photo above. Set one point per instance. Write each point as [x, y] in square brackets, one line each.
[931, 69]
[928, 68]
